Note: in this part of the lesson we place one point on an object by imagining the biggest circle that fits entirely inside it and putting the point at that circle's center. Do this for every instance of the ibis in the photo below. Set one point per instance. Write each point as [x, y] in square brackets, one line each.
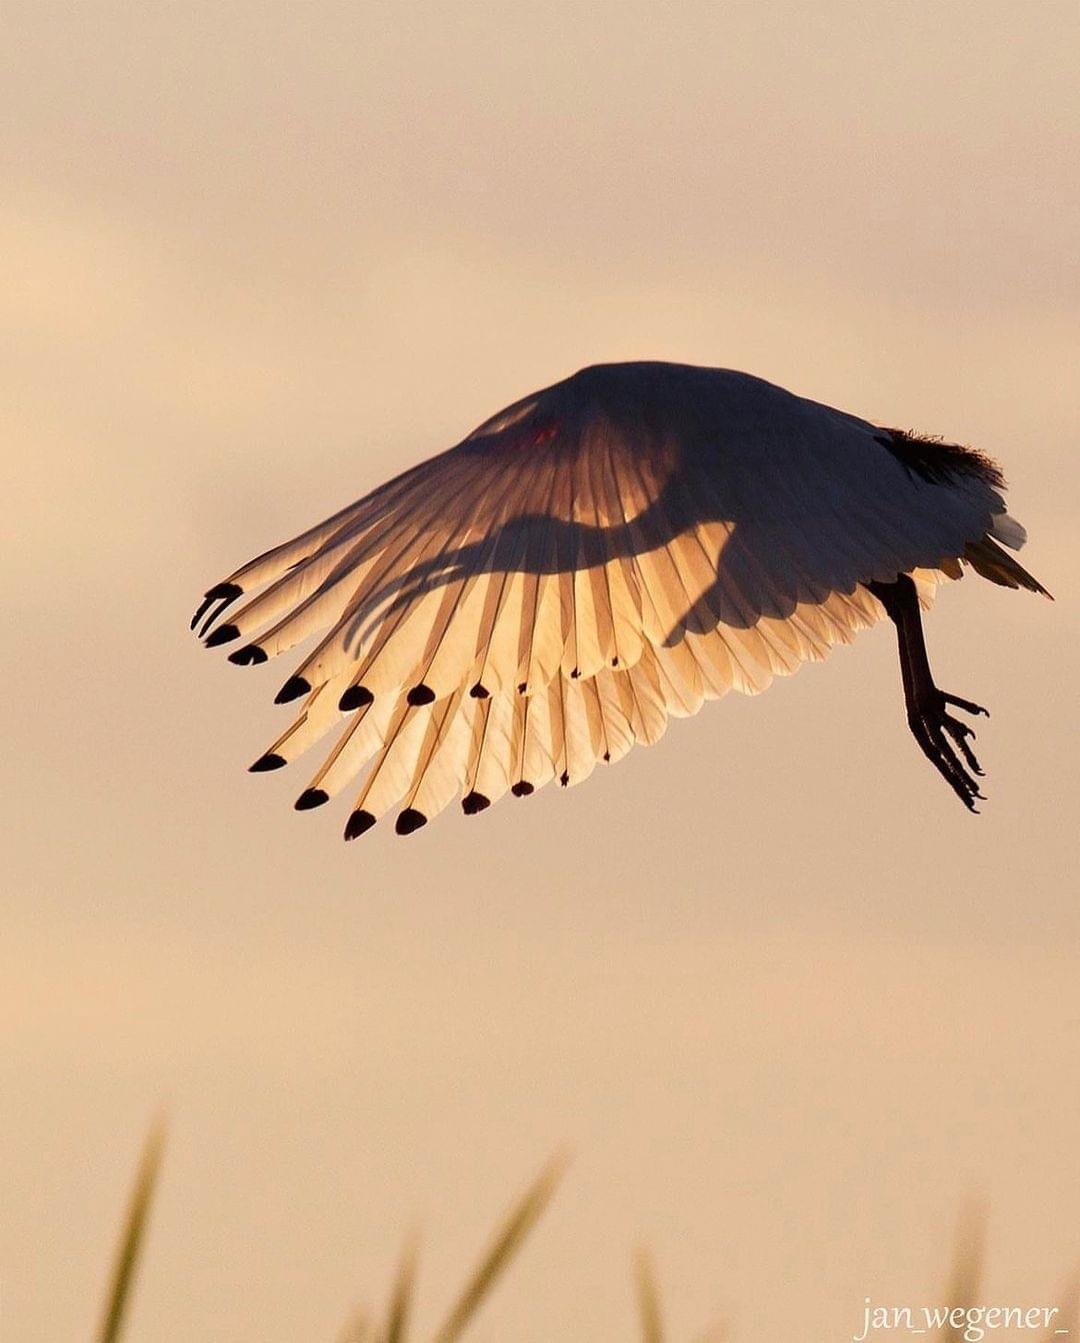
[598, 558]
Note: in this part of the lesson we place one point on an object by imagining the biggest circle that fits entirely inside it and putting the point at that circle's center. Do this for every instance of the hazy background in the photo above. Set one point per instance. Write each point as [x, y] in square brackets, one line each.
[783, 999]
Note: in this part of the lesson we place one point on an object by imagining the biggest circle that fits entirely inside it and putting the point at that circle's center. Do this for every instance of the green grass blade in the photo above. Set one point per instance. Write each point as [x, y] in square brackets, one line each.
[508, 1240]
[134, 1231]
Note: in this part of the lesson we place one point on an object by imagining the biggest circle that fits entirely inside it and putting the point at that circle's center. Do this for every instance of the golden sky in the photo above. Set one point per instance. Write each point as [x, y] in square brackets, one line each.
[783, 1000]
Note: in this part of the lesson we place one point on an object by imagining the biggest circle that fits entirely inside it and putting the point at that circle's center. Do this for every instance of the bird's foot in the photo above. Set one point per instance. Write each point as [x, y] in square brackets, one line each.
[945, 741]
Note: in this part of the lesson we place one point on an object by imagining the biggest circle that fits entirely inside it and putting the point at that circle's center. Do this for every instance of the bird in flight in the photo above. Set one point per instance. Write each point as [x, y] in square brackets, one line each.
[594, 559]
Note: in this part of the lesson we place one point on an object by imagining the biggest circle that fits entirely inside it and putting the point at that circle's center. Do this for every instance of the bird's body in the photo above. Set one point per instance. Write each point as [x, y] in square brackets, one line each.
[599, 556]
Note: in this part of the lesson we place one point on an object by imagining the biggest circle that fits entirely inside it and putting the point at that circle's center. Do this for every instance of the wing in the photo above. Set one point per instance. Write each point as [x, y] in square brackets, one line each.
[597, 558]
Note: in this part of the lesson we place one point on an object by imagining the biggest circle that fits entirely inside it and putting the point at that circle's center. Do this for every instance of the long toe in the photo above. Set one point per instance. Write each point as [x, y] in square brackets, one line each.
[962, 735]
[965, 704]
[943, 740]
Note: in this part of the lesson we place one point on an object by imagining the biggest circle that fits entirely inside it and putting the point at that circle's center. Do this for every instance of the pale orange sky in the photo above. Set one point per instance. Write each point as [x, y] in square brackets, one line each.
[784, 1001]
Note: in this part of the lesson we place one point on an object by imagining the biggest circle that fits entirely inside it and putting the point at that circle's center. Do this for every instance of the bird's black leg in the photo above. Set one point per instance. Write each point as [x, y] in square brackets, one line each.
[943, 739]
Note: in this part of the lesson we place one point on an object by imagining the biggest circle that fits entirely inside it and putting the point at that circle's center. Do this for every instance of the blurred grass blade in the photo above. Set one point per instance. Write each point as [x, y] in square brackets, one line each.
[652, 1328]
[965, 1280]
[127, 1255]
[519, 1222]
[357, 1328]
[1070, 1307]
[401, 1297]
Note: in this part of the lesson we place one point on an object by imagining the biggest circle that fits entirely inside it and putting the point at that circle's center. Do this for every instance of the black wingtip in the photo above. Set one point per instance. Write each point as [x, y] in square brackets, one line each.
[267, 762]
[421, 694]
[522, 788]
[248, 656]
[564, 778]
[358, 823]
[225, 593]
[409, 820]
[293, 688]
[310, 798]
[224, 634]
[474, 802]
[479, 691]
[355, 698]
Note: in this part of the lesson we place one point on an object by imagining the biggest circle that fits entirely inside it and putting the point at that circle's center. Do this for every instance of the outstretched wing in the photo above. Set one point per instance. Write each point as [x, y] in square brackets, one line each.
[596, 558]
